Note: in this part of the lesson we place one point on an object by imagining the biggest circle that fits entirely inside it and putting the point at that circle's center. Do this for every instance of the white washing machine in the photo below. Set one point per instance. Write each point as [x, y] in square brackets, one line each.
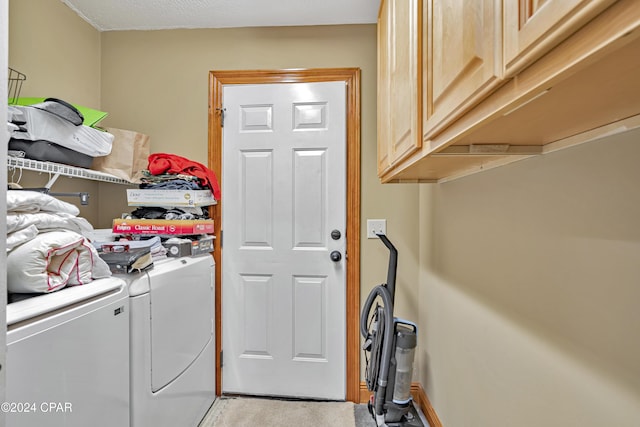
[172, 342]
[68, 357]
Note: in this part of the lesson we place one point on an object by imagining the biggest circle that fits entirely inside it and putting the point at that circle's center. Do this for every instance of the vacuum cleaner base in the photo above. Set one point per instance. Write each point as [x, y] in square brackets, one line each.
[411, 419]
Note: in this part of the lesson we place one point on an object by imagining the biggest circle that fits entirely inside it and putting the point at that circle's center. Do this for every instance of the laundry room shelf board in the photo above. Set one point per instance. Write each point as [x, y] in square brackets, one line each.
[64, 170]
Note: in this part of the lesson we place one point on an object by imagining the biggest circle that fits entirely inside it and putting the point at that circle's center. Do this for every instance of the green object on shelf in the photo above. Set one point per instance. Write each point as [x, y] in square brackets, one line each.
[91, 116]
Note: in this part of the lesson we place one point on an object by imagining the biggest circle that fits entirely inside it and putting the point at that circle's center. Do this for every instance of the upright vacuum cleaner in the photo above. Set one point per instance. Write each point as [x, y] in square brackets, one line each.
[389, 346]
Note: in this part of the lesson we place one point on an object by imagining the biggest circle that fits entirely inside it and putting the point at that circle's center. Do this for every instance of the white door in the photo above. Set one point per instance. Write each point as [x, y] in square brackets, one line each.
[284, 193]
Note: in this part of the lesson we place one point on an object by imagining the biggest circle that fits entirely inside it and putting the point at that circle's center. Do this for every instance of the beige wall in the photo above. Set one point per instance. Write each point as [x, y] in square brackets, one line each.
[60, 55]
[529, 291]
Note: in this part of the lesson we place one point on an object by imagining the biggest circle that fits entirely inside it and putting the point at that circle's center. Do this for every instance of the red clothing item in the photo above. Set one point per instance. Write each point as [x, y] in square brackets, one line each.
[160, 163]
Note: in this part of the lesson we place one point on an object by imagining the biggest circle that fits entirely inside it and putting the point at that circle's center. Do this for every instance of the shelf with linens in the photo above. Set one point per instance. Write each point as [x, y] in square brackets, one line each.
[50, 135]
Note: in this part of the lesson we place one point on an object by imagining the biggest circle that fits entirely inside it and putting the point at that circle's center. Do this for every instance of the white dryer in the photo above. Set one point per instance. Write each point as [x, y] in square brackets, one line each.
[172, 342]
[68, 357]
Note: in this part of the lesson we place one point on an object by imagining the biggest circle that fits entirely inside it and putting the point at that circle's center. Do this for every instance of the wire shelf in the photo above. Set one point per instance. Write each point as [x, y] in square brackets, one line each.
[15, 80]
[65, 170]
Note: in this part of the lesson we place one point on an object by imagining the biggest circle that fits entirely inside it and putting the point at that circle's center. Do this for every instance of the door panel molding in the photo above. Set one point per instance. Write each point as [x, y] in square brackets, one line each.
[351, 77]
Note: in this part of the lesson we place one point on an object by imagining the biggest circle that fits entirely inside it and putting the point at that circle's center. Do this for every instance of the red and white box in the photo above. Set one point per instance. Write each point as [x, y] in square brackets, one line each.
[163, 226]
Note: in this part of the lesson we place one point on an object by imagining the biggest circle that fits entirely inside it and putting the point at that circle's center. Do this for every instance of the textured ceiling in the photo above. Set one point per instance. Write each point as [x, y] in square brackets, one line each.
[110, 15]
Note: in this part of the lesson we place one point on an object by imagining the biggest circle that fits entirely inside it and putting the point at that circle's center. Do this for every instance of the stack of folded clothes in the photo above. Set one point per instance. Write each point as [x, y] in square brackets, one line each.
[171, 172]
[167, 167]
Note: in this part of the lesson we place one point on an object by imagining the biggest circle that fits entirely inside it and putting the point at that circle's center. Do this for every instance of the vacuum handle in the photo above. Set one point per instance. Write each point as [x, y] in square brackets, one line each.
[393, 265]
[407, 323]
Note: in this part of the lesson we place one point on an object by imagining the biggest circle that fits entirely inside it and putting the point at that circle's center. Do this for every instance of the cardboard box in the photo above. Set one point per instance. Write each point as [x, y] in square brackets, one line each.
[202, 246]
[178, 249]
[185, 247]
[162, 226]
[172, 198]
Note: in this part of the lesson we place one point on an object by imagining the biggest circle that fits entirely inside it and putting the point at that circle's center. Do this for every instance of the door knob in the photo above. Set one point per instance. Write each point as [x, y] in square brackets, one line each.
[335, 234]
[335, 256]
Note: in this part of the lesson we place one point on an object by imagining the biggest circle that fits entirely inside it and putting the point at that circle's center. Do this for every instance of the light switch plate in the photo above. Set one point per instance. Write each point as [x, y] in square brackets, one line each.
[376, 226]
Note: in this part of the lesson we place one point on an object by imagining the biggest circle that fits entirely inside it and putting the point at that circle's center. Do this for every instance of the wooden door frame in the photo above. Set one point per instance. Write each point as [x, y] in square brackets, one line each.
[351, 77]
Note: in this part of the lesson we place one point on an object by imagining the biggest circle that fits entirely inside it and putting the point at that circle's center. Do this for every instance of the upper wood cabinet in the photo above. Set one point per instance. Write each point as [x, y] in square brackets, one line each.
[532, 27]
[399, 81]
[463, 57]
[501, 80]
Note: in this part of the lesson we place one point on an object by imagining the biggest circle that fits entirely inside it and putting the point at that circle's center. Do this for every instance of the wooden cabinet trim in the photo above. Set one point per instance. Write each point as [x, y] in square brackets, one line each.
[525, 42]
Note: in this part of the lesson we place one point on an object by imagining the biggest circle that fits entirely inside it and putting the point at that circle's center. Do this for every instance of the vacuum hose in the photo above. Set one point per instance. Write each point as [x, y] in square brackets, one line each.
[382, 292]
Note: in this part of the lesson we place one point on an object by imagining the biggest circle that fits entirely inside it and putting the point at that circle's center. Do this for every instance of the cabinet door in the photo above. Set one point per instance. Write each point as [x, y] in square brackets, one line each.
[463, 57]
[399, 82]
[533, 27]
[384, 89]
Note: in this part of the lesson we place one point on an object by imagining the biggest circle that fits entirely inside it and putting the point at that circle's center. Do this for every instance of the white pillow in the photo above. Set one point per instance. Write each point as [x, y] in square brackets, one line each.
[51, 261]
[25, 201]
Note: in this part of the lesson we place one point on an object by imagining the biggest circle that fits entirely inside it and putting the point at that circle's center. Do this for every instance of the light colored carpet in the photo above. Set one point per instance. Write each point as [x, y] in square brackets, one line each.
[251, 412]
